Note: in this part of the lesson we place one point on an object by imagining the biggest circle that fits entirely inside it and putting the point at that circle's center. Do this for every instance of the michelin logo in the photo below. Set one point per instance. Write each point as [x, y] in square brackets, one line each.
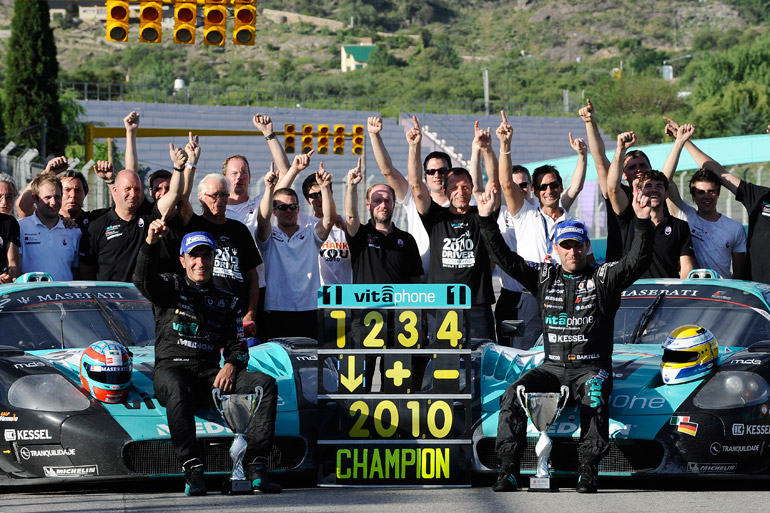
[85, 470]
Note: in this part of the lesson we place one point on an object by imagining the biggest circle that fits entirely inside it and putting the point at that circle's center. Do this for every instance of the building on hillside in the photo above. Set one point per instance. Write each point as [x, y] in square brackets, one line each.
[354, 57]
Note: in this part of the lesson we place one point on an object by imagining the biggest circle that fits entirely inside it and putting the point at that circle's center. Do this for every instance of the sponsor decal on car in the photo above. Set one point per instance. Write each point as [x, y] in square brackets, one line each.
[751, 429]
[27, 453]
[6, 416]
[201, 428]
[683, 425]
[12, 435]
[717, 448]
[85, 470]
[705, 468]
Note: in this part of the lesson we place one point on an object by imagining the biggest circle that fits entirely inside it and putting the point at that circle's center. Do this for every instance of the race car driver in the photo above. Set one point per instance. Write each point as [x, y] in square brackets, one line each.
[196, 324]
[577, 304]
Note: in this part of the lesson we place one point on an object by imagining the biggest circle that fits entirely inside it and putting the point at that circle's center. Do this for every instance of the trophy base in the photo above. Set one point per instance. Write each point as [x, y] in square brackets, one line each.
[542, 484]
[236, 487]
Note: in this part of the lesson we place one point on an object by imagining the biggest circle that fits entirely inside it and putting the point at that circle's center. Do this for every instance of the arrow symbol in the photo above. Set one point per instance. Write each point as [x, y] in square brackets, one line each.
[351, 381]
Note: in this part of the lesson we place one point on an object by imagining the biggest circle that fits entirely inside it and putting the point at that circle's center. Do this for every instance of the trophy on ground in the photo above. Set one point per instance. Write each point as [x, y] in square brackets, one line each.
[542, 409]
[237, 410]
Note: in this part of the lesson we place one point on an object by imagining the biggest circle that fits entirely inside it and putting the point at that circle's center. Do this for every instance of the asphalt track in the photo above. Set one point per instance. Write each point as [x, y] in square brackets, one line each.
[616, 495]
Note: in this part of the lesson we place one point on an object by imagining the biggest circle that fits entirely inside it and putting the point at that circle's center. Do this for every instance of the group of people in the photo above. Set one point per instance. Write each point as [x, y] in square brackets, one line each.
[252, 266]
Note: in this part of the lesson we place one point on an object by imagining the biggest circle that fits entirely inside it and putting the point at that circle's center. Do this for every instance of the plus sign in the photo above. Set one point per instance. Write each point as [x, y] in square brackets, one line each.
[398, 373]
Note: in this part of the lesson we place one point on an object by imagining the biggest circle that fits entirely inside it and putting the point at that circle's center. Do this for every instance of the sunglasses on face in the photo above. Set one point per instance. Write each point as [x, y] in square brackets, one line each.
[551, 185]
[216, 196]
[440, 170]
[523, 185]
[313, 195]
[283, 207]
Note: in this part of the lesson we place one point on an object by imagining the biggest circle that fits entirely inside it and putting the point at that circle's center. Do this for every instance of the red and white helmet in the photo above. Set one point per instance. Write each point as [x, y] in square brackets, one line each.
[105, 371]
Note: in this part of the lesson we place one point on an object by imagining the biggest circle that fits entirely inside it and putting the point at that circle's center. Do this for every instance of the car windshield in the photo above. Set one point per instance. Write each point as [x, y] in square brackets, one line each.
[737, 318]
[73, 317]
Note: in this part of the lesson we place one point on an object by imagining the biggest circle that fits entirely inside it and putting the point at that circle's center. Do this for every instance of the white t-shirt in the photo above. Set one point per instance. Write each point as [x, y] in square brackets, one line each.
[506, 223]
[53, 251]
[334, 260]
[535, 231]
[714, 241]
[291, 269]
[246, 213]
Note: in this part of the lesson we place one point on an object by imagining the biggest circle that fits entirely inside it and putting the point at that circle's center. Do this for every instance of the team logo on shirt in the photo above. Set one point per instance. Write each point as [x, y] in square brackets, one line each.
[400, 243]
[64, 242]
[1, 242]
[765, 209]
[112, 231]
[140, 222]
[667, 230]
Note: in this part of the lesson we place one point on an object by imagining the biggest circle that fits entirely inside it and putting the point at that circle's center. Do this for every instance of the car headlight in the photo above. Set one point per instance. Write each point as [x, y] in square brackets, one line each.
[47, 392]
[732, 389]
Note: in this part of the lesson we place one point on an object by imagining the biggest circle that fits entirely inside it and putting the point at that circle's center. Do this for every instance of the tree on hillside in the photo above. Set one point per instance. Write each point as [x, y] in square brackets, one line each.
[31, 72]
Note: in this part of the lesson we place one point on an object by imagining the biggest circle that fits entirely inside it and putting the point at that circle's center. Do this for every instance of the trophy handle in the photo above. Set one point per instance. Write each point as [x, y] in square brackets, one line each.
[564, 396]
[520, 397]
[258, 393]
[216, 396]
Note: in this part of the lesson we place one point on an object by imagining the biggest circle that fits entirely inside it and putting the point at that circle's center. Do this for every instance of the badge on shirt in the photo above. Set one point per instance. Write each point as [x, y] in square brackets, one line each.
[32, 238]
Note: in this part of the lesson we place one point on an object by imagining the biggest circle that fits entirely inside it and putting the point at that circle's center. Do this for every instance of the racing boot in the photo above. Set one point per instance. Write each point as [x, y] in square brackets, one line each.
[508, 478]
[194, 484]
[587, 480]
[260, 479]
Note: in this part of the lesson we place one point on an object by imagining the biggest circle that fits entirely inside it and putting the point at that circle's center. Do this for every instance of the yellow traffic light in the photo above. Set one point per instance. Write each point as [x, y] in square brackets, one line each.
[358, 139]
[245, 16]
[289, 138]
[214, 20]
[307, 138]
[323, 139]
[117, 21]
[150, 17]
[339, 139]
[185, 15]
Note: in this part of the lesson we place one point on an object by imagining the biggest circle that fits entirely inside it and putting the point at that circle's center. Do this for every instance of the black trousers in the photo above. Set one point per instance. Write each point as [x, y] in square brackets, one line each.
[588, 386]
[181, 390]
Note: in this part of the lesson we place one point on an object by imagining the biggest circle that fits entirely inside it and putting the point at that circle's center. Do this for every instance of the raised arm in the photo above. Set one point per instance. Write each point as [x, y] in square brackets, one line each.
[420, 191]
[25, 205]
[184, 171]
[596, 145]
[265, 212]
[514, 196]
[325, 224]
[265, 125]
[615, 193]
[579, 175]
[352, 217]
[131, 122]
[681, 134]
[392, 175]
[300, 163]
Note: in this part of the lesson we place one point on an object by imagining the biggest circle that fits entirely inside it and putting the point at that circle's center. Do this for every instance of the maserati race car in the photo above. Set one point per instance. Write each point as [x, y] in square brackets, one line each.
[715, 422]
[52, 428]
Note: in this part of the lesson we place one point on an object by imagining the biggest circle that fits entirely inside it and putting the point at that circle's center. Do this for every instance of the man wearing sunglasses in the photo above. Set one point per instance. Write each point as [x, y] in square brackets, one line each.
[435, 167]
[457, 253]
[291, 257]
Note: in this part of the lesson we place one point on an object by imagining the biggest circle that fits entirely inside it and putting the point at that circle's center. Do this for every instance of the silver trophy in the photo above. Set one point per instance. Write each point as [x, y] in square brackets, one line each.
[237, 410]
[542, 409]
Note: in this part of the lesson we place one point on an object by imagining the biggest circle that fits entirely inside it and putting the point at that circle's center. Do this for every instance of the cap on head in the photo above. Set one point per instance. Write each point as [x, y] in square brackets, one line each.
[571, 230]
[194, 239]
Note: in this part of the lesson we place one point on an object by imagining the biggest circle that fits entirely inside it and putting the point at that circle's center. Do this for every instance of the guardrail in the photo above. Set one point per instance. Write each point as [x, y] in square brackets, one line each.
[89, 91]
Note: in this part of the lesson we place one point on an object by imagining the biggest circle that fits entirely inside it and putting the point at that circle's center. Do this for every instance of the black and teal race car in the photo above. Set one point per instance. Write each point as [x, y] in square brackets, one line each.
[52, 429]
[719, 424]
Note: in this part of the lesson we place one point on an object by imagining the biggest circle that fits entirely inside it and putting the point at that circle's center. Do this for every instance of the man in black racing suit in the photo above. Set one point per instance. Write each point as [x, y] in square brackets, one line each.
[196, 324]
[577, 304]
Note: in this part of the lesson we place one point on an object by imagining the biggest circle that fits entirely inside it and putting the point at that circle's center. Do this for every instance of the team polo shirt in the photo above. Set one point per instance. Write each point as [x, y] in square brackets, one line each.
[458, 255]
[9, 234]
[714, 241]
[671, 240]
[756, 199]
[291, 269]
[334, 260]
[384, 258]
[53, 251]
[112, 244]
